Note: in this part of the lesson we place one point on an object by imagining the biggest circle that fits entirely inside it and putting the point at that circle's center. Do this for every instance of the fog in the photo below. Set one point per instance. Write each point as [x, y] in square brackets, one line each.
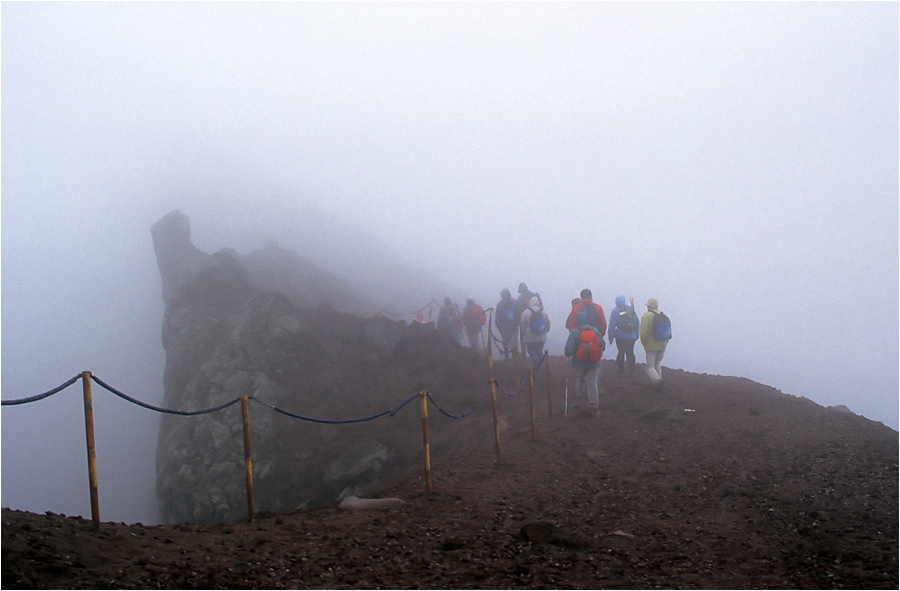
[736, 161]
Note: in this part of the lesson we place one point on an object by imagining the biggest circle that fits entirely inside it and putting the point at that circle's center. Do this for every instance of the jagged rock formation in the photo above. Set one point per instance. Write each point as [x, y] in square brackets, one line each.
[245, 326]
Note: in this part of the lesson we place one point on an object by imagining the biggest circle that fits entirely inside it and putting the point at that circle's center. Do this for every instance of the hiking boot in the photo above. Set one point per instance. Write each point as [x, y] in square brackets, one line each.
[594, 412]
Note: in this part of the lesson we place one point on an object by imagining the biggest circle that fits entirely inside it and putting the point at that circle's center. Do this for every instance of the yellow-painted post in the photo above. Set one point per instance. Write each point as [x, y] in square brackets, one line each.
[531, 396]
[493, 388]
[91, 450]
[248, 466]
[424, 396]
[518, 382]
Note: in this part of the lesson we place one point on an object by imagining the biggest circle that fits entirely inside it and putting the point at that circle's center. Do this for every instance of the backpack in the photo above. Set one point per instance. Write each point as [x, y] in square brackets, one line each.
[476, 315]
[627, 320]
[538, 322]
[507, 317]
[661, 327]
[590, 310]
[589, 349]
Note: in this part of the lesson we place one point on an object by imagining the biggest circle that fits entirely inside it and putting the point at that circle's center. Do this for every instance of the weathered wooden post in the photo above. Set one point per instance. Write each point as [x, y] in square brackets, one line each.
[424, 396]
[549, 398]
[531, 396]
[91, 450]
[248, 467]
[493, 387]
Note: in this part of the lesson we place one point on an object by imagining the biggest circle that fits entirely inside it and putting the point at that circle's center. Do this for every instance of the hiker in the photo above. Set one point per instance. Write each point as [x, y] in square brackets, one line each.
[524, 300]
[585, 346]
[448, 321]
[624, 326]
[506, 322]
[595, 315]
[473, 318]
[534, 326]
[655, 336]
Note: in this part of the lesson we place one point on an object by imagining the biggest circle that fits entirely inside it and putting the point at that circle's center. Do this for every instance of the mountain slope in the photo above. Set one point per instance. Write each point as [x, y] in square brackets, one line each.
[716, 482]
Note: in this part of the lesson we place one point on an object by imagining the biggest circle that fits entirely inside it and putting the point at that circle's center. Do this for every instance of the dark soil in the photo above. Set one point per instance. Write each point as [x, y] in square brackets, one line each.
[715, 482]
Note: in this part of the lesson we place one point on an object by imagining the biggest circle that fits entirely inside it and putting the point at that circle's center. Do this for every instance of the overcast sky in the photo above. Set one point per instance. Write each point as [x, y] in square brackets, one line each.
[736, 161]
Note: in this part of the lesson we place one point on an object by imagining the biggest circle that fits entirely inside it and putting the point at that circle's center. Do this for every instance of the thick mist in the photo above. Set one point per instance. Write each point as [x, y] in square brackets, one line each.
[738, 162]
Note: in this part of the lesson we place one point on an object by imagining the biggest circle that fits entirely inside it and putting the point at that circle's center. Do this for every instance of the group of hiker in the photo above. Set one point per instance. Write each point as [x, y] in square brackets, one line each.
[524, 320]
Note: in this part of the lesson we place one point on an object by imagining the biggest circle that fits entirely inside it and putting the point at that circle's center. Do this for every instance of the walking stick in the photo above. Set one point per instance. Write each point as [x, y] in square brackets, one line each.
[566, 412]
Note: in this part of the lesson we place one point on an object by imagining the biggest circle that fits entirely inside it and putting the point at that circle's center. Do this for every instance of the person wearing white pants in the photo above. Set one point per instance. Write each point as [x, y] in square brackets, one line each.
[654, 348]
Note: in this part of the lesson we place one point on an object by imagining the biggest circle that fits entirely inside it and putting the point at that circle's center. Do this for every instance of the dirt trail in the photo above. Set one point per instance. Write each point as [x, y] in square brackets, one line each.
[714, 483]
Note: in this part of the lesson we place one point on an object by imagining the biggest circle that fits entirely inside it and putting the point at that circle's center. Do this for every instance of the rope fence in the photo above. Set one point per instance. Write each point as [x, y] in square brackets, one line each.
[423, 396]
[87, 377]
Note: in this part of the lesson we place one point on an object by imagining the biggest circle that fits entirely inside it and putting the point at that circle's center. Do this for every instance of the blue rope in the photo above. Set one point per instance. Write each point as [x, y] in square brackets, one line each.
[445, 412]
[44, 395]
[428, 305]
[502, 389]
[391, 412]
[158, 409]
[124, 396]
[499, 342]
[522, 385]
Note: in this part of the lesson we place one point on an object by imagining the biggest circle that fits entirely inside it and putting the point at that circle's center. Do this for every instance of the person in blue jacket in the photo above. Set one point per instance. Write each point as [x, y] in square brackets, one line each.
[624, 327]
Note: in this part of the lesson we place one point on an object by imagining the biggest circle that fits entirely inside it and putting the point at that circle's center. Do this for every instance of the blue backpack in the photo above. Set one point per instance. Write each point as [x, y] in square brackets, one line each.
[627, 320]
[661, 327]
[538, 323]
[591, 312]
[508, 316]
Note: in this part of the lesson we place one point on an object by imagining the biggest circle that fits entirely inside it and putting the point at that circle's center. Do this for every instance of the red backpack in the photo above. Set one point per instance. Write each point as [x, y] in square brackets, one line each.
[589, 349]
[476, 315]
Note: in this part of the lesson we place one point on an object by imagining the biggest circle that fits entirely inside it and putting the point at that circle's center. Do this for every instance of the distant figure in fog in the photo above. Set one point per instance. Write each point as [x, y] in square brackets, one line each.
[507, 322]
[473, 318]
[448, 321]
[534, 326]
[654, 339]
[624, 326]
[524, 299]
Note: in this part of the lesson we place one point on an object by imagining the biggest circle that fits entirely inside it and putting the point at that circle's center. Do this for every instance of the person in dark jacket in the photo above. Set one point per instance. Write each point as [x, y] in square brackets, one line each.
[448, 321]
[507, 322]
[624, 327]
[524, 300]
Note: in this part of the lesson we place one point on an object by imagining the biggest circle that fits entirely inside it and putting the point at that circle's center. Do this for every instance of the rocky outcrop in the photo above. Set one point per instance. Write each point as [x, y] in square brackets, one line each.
[230, 330]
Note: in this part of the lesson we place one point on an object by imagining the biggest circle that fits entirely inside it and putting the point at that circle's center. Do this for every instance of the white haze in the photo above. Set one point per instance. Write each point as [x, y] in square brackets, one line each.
[737, 161]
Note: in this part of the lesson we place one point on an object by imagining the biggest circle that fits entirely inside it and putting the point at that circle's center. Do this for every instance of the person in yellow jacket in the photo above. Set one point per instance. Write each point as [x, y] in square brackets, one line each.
[653, 347]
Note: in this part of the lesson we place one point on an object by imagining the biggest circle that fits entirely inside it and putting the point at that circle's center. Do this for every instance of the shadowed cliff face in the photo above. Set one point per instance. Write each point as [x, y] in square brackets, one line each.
[228, 333]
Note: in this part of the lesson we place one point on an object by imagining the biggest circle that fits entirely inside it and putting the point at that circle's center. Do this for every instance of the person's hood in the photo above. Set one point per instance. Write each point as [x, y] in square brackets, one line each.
[580, 318]
[505, 294]
[620, 301]
[534, 304]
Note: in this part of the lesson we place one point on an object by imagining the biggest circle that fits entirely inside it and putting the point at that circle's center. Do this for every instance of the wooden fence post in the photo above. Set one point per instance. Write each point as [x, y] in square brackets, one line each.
[424, 396]
[91, 450]
[531, 396]
[493, 387]
[248, 467]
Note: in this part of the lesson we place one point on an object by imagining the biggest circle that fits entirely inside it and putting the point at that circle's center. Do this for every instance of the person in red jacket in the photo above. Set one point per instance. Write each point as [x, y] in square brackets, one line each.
[594, 312]
[473, 318]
